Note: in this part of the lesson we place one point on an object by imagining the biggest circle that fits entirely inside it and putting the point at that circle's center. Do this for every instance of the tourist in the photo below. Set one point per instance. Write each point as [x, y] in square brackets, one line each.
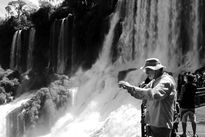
[160, 94]
[187, 104]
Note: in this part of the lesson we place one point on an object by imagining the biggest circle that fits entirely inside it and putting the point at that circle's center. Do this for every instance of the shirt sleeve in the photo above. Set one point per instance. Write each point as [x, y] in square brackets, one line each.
[136, 94]
[140, 95]
[161, 90]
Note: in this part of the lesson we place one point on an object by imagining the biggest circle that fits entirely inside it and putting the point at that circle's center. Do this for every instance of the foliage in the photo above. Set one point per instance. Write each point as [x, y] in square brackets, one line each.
[20, 8]
[57, 96]
[21, 12]
[79, 6]
[32, 107]
[44, 4]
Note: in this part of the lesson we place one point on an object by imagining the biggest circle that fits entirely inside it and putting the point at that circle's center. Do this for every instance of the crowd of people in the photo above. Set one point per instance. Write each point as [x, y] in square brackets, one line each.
[199, 79]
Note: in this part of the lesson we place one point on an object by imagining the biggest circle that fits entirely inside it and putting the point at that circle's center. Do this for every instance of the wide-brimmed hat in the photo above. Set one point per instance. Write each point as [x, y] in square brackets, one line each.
[152, 63]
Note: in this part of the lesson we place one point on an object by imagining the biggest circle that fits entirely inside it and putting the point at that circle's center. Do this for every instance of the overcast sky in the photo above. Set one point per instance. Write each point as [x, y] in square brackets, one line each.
[3, 4]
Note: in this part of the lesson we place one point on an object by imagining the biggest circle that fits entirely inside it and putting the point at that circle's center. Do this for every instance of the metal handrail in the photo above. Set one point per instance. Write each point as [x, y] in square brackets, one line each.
[200, 97]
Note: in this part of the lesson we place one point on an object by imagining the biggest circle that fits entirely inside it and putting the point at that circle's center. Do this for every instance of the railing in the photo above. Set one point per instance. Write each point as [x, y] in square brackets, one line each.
[200, 97]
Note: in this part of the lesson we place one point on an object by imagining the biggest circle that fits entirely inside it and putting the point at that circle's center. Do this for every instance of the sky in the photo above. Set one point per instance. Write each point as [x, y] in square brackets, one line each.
[3, 4]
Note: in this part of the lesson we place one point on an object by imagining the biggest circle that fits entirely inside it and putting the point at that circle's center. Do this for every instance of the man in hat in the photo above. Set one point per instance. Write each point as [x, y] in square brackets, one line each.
[160, 94]
[187, 104]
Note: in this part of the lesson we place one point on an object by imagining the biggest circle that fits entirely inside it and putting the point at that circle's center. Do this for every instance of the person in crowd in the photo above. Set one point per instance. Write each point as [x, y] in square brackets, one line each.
[187, 104]
[160, 94]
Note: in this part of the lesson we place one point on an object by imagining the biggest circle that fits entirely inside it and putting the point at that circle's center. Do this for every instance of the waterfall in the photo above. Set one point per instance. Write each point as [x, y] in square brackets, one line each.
[61, 45]
[6, 109]
[12, 56]
[15, 50]
[21, 55]
[30, 48]
[158, 30]
[193, 55]
[61, 49]
[164, 29]
[100, 108]
[18, 51]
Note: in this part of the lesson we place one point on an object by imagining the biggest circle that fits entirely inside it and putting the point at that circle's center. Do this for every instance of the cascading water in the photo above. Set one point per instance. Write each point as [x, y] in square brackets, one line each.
[98, 95]
[61, 45]
[149, 29]
[193, 55]
[15, 50]
[61, 49]
[6, 109]
[154, 29]
[30, 48]
[18, 53]
[18, 47]
[12, 56]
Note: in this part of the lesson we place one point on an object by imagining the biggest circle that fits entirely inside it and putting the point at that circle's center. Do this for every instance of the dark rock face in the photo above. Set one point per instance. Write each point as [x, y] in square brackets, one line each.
[41, 47]
[89, 31]
[6, 34]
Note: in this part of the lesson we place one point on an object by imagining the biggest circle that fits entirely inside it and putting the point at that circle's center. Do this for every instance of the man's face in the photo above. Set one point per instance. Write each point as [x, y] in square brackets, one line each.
[150, 73]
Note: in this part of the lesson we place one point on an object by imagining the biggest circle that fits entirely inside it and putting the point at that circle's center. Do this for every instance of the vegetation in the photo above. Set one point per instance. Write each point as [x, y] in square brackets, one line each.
[20, 12]
[45, 104]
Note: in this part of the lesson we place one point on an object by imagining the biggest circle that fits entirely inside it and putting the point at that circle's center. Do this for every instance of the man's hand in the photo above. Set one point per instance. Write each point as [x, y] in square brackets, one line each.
[124, 84]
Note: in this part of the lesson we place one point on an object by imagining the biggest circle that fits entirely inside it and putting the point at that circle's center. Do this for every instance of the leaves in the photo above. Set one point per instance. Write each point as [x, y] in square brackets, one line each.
[20, 11]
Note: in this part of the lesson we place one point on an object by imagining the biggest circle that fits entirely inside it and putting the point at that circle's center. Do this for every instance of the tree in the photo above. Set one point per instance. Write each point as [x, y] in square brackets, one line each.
[17, 6]
[21, 11]
[9, 10]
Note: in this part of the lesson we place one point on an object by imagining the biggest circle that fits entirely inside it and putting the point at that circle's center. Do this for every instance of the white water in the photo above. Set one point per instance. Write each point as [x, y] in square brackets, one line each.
[192, 56]
[157, 26]
[100, 108]
[7, 108]
[74, 92]
[61, 49]
[18, 54]
[15, 50]
[12, 56]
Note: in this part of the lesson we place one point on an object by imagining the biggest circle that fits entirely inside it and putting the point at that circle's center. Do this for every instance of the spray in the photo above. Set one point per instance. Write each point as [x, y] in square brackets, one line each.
[99, 103]
[7, 108]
